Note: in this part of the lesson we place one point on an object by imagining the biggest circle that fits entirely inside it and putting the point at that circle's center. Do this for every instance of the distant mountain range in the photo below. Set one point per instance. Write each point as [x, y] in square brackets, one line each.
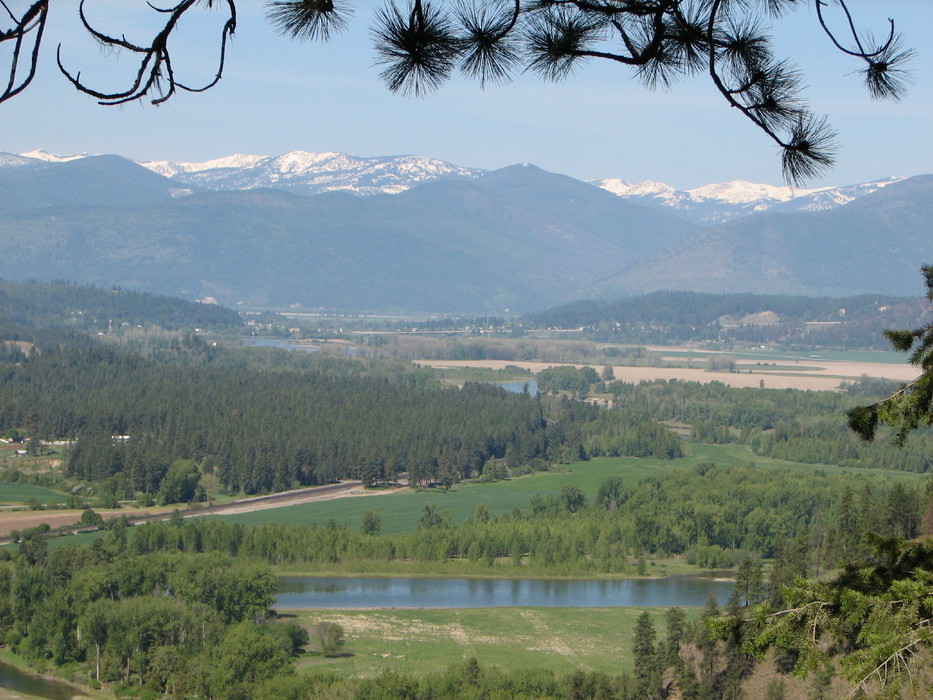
[726, 201]
[307, 173]
[290, 231]
[874, 244]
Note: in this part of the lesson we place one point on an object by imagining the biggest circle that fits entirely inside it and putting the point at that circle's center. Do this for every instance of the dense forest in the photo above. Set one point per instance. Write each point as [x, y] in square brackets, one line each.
[801, 426]
[187, 625]
[257, 431]
[795, 321]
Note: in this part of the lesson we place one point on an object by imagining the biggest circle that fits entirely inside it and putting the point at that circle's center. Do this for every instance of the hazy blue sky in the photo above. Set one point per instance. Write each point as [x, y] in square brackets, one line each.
[278, 95]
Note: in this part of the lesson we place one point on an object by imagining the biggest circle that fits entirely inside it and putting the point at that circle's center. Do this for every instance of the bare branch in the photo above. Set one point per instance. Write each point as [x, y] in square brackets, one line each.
[155, 75]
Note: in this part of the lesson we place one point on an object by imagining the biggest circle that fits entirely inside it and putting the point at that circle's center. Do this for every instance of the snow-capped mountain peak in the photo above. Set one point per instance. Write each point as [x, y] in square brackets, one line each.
[237, 161]
[638, 189]
[725, 201]
[305, 172]
[309, 173]
[744, 192]
[40, 154]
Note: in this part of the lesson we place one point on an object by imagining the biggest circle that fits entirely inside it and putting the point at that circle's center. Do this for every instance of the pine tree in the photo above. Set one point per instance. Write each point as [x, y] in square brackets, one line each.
[645, 656]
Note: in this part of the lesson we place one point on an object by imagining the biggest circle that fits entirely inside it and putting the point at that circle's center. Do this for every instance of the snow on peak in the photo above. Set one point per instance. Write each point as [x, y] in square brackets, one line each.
[311, 173]
[10, 159]
[645, 188]
[172, 168]
[725, 201]
[40, 154]
[744, 192]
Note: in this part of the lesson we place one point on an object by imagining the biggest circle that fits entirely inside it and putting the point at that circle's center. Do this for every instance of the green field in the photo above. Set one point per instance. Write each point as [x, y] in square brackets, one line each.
[426, 641]
[18, 494]
[400, 511]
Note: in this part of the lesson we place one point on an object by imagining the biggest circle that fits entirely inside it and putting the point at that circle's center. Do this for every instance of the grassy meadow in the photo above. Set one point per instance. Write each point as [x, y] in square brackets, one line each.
[20, 494]
[426, 641]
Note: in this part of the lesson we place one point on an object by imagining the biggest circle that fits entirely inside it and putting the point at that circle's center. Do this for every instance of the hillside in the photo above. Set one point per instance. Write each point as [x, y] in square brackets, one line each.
[518, 238]
[674, 317]
[874, 244]
[63, 305]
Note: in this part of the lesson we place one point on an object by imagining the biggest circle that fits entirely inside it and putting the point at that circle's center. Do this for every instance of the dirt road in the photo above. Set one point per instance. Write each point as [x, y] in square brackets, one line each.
[24, 519]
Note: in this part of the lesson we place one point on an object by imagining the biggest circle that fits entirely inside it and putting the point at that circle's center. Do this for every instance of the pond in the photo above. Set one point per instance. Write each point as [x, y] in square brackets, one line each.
[281, 343]
[19, 681]
[519, 387]
[346, 592]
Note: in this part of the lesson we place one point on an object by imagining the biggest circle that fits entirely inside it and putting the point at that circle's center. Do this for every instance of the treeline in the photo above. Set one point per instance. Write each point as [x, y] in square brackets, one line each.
[668, 317]
[200, 626]
[801, 426]
[715, 516]
[64, 305]
[261, 431]
[182, 625]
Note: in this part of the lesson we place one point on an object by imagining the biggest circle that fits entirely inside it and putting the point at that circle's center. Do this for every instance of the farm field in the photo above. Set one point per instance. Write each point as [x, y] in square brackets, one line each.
[427, 641]
[400, 511]
[19, 494]
[818, 372]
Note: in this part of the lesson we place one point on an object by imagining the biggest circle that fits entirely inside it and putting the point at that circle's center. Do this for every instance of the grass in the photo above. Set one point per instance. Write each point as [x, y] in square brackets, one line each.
[400, 511]
[427, 641]
[19, 494]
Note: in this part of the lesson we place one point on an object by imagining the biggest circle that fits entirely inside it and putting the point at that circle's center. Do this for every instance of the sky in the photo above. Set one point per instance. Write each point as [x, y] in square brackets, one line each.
[279, 95]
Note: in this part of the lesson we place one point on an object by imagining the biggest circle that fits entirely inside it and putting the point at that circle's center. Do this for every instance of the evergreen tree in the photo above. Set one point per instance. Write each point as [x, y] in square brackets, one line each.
[646, 660]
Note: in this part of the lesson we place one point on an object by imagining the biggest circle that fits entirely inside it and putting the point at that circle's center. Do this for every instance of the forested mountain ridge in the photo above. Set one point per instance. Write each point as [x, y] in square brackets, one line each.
[519, 239]
[800, 321]
[307, 173]
[515, 239]
[63, 305]
[87, 182]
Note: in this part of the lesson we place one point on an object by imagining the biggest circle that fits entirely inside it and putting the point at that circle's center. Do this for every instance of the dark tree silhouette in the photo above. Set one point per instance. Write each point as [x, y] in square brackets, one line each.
[420, 44]
[912, 405]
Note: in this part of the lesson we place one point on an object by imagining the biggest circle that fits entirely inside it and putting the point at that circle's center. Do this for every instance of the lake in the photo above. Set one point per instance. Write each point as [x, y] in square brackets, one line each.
[21, 682]
[348, 592]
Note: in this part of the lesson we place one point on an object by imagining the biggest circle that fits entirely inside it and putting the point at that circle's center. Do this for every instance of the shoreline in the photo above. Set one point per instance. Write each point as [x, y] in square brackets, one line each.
[501, 577]
[10, 658]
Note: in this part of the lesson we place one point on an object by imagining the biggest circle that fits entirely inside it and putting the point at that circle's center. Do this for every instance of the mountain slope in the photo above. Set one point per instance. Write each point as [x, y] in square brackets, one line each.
[873, 244]
[449, 245]
[91, 181]
[308, 173]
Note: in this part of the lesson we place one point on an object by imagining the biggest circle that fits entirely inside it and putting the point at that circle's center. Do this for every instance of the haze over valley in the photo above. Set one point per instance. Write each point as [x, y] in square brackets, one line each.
[407, 234]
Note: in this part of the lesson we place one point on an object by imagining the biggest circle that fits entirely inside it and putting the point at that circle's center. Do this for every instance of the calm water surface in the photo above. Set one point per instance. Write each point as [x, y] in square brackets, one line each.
[14, 679]
[519, 387]
[344, 592]
[281, 343]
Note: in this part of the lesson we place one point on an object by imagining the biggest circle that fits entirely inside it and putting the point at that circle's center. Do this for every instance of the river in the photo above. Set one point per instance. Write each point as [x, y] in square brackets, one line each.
[296, 592]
